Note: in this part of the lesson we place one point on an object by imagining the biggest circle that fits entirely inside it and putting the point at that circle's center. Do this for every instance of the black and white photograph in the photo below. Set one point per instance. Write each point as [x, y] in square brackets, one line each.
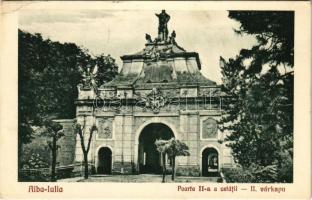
[133, 96]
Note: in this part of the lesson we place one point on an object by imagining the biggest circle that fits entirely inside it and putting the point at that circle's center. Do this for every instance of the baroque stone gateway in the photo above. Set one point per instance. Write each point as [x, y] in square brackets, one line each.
[159, 93]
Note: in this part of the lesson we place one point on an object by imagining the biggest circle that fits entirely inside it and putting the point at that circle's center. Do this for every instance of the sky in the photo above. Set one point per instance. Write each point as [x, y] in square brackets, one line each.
[122, 32]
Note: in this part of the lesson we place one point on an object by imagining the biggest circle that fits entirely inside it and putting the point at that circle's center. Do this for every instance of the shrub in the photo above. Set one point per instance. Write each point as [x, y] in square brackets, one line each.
[253, 174]
[285, 172]
[34, 175]
[237, 175]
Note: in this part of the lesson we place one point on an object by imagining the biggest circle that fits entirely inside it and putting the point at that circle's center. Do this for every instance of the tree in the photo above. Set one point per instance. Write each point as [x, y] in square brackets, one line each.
[172, 148]
[176, 148]
[258, 112]
[162, 147]
[47, 81]
[82, 132]
[107, 70]
[55, 131]
[48, 75]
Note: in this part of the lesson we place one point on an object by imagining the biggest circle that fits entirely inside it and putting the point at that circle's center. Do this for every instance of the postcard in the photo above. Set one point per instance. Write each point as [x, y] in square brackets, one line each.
[182, 100]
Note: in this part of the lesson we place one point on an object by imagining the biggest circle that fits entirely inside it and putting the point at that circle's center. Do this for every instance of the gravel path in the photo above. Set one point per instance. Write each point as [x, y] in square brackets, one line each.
[141, 178]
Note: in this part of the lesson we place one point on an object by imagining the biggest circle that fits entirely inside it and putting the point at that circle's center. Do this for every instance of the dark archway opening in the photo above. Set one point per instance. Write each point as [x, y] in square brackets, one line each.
[104, 161]
[210, 162]
[149, 158]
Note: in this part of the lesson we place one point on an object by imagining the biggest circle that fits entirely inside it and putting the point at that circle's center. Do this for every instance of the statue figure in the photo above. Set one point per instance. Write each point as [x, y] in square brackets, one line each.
[173, 34]
[148, 38]
[172, 37]
[89, 78]
[163, 18]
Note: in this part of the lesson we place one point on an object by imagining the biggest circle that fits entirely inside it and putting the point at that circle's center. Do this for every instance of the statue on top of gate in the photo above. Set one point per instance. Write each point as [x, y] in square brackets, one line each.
[163, 18]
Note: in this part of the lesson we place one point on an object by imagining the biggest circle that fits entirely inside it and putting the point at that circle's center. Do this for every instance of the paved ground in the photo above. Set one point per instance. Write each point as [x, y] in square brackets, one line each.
[139, 178]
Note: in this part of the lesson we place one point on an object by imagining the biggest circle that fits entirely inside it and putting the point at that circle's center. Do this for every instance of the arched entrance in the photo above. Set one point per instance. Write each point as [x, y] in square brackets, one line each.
[210, 162]
[148, 157]
[104, 161]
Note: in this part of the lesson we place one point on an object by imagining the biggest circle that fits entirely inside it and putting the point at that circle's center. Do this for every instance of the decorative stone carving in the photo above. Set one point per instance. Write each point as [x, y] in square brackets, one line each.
[188, 92]
[209, 129]
[209, 92]
[172, 93]
[172, 37]
[88, 77]
[154, 100]
[148, 38]
[105, 127]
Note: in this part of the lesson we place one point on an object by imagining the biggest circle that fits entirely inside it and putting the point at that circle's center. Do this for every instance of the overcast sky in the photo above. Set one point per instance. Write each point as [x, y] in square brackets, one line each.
[210, 33]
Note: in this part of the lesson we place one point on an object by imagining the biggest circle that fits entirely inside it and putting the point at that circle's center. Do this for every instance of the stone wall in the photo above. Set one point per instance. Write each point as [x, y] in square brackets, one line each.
[66, 154]
[188, 170]
[39, 146]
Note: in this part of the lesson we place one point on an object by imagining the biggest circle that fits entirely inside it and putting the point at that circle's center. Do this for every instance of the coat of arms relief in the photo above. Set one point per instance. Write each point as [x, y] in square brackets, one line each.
[105, 128]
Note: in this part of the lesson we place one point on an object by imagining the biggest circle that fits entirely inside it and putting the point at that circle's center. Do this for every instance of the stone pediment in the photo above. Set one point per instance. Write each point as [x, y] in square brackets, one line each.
[162, 61]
